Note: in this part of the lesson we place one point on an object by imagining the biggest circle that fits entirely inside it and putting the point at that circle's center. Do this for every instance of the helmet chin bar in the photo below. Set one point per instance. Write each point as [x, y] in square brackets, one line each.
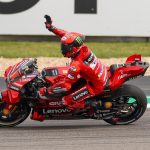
[70, 54]
[75, 54]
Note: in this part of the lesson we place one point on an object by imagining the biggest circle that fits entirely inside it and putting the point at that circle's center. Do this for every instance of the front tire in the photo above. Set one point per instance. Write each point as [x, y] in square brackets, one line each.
[16, 117]
[136, 99]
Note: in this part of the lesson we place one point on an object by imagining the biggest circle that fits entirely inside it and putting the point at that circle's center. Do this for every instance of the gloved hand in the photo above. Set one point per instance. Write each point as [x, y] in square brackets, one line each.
[48, 22]
[42, 91]
[45, 91]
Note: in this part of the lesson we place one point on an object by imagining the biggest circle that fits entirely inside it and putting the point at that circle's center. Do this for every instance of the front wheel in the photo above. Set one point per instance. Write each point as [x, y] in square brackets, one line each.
[132, 107]
[21, 112]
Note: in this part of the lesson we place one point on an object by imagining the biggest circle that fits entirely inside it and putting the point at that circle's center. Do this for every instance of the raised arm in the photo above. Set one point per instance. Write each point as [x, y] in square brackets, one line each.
[59, 32]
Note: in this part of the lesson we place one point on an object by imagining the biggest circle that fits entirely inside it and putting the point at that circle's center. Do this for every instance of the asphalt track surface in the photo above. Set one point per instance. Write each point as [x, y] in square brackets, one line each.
[79, 134]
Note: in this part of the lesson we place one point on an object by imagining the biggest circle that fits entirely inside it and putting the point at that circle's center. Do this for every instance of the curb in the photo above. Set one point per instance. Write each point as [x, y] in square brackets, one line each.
[148, 101]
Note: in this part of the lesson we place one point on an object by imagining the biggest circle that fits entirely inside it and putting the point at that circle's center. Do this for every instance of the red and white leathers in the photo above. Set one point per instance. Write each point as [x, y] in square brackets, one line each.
[84, 64]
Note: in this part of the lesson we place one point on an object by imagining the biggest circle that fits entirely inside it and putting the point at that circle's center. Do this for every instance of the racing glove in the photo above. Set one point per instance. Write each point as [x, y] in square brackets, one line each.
[48, 23]
[51, 92]
[44, 91]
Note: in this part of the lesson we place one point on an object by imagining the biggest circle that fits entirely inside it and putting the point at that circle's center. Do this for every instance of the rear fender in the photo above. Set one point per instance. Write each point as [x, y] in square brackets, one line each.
[125, 73]
[135, 60]
[132, 58]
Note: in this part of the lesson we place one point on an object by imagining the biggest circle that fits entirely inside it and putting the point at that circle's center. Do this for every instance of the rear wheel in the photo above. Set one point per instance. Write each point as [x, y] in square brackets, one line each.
[21, 112]
[132, 103]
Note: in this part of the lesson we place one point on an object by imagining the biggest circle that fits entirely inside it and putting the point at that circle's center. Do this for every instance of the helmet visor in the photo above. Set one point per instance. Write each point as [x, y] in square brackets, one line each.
[65, 48]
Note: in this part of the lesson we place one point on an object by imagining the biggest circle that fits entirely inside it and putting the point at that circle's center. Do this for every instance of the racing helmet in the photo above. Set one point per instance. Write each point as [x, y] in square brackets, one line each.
[70, 44]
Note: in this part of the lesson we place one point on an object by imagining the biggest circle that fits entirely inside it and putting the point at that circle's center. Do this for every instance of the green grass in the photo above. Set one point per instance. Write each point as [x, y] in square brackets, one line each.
[52, 49]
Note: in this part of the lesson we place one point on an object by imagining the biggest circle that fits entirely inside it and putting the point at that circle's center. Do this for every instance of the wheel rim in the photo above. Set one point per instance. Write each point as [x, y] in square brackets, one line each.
[131, 112]
[20, 113]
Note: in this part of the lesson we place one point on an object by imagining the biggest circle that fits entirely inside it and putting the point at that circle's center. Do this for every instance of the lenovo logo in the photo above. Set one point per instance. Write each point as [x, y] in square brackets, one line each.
[80, 94]
[56, 111]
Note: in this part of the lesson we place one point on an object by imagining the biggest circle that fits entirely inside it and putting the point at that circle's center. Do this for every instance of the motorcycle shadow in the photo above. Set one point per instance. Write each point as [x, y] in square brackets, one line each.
[65, 127]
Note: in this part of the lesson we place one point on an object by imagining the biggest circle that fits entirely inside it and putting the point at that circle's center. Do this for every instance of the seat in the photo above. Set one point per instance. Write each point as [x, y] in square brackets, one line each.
[113, 67]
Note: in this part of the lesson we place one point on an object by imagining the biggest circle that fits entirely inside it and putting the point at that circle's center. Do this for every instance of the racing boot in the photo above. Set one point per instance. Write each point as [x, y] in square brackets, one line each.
[37, 116]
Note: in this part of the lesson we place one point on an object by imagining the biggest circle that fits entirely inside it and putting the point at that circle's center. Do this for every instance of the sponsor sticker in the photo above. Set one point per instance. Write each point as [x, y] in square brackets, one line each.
[122, 76]
[65, 71]
[80, 94]
[56, 103]
[73, 68]
[56, 111]
[70, 76]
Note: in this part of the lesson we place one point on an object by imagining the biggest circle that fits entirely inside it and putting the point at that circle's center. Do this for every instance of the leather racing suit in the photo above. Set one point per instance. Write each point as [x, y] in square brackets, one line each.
[86, 65]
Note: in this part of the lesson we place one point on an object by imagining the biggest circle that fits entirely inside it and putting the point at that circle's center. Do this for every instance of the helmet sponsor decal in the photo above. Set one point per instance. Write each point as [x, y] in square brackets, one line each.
[78, 39]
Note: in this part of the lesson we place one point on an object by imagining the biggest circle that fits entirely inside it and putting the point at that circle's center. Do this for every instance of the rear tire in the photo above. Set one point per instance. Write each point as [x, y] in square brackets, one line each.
[141, 101]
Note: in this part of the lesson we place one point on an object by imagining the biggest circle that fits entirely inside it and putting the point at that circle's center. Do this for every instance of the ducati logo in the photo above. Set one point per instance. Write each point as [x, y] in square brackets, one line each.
[15, 6]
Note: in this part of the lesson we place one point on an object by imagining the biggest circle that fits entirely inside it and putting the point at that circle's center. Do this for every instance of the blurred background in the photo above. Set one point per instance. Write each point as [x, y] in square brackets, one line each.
[90, 17]
[114, 28]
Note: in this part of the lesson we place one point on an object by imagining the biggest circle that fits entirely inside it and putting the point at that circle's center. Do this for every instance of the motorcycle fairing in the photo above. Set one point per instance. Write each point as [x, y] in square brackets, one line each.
[16, 81]
[53, 106]
[54, 74]
[11, 96]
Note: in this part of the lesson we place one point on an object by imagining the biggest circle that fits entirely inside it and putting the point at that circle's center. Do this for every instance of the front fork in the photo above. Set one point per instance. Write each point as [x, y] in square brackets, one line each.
[10, 98]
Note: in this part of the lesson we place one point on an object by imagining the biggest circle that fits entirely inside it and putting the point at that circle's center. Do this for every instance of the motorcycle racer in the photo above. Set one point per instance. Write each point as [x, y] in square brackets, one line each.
[83, 63]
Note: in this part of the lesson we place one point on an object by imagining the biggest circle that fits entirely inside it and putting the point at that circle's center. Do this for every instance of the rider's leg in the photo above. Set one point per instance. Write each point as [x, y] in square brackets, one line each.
[76, 100]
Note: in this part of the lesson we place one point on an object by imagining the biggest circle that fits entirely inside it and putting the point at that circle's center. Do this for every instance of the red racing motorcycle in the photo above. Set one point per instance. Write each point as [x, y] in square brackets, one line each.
[119, 103]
